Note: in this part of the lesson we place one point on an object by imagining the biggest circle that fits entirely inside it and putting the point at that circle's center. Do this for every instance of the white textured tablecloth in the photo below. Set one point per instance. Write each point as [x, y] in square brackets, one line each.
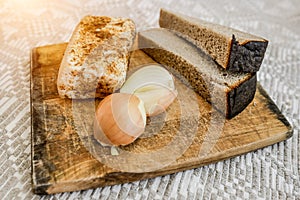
[269, 173]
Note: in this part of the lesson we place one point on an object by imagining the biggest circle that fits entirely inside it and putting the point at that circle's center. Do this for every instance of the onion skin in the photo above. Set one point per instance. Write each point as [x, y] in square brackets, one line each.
[119, 120]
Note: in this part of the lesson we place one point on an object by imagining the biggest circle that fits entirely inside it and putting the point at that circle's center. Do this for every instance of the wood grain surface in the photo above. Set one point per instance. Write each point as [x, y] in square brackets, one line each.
[66, 157]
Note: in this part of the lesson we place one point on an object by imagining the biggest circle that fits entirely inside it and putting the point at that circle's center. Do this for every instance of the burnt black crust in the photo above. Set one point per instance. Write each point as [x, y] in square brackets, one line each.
[247, 57]
[240, 97]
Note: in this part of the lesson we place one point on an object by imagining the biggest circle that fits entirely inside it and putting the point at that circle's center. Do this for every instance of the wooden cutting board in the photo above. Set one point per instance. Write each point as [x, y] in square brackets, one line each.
[65, 156]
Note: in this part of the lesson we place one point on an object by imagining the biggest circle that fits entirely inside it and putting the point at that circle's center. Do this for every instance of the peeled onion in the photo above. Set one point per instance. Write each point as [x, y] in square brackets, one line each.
[154, 85]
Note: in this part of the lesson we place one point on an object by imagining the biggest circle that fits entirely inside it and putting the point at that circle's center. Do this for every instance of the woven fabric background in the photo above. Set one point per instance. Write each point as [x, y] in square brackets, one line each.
[269, 173]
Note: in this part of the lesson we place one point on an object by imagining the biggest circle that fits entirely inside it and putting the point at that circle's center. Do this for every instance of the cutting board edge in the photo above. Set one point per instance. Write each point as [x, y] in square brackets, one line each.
[43, 189]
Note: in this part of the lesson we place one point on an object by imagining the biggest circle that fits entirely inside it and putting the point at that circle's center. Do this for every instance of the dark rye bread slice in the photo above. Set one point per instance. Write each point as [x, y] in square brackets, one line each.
[229, 92]
[232, 49]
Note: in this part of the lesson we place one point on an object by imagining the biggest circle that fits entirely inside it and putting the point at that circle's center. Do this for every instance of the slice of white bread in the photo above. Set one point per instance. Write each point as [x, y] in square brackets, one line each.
[96, 59]
[232, 49]
[229, 92]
